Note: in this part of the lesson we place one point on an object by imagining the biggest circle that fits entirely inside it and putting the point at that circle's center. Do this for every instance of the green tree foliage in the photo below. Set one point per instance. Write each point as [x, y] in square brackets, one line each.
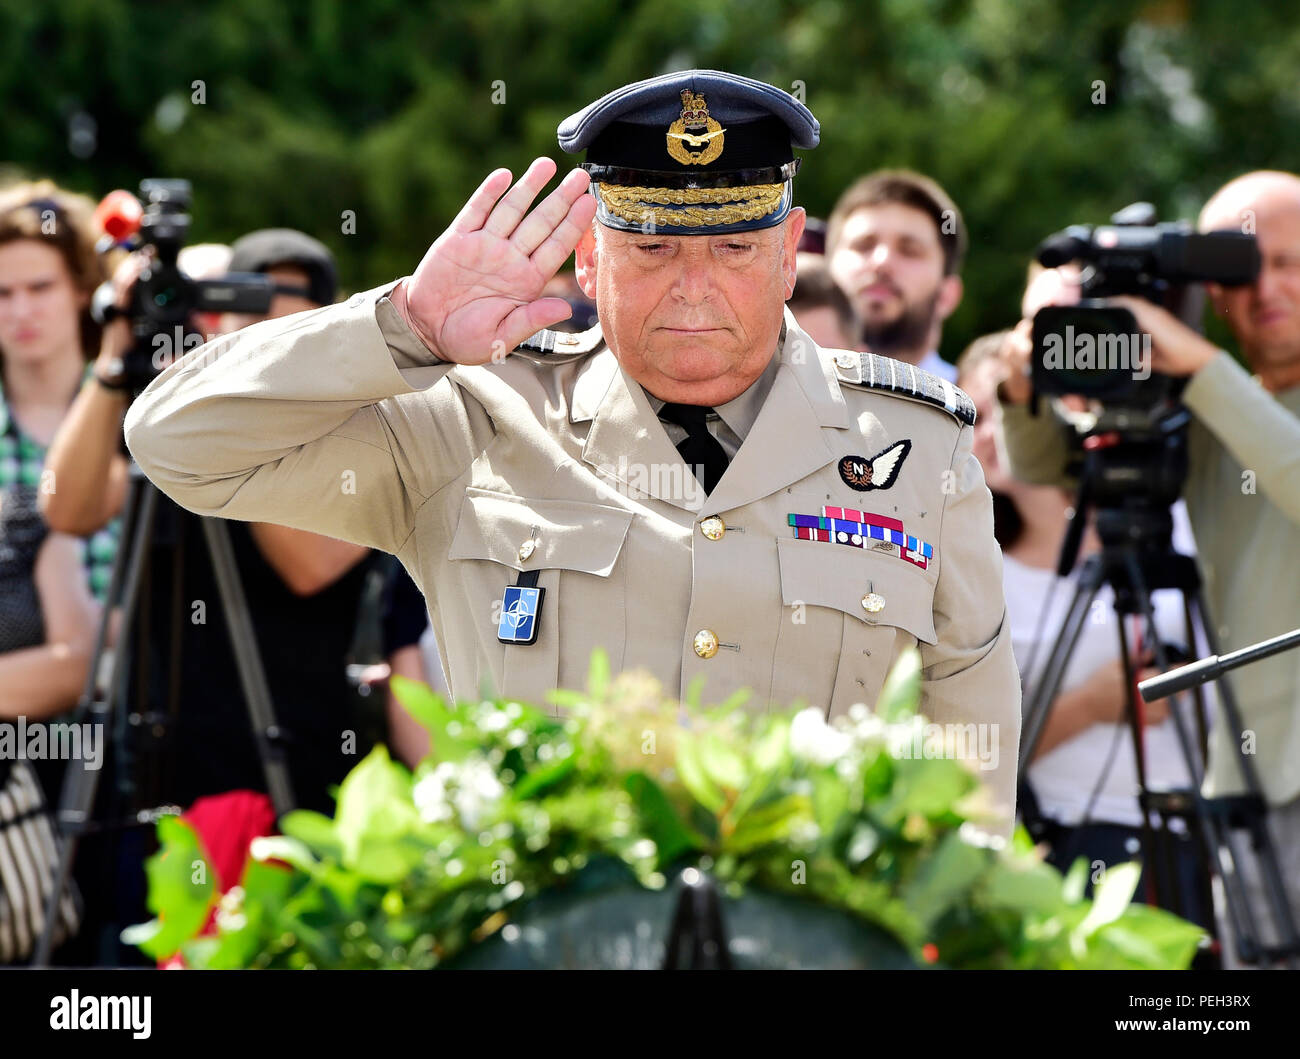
[395, 111]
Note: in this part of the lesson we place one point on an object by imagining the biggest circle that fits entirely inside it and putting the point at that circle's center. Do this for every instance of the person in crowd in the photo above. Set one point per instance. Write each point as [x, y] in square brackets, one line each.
[48, 580]
[895, 242]
[1083, 781]
[1242, 493]
[302, 589]
[821, 307]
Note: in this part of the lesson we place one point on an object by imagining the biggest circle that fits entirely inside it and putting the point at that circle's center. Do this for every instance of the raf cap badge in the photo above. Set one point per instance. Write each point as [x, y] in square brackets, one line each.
[878, 472]
[695, 138]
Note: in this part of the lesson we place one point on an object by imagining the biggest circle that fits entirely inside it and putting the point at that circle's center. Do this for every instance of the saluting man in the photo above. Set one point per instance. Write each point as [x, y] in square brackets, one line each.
[692, 485]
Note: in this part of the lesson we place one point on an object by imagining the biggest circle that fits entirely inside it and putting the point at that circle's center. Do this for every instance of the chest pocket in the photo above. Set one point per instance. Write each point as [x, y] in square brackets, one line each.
[857, 646]
[575, 551]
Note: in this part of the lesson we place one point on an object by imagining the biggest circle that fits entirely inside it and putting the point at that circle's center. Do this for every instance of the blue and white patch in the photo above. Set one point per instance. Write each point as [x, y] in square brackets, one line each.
[521, 612]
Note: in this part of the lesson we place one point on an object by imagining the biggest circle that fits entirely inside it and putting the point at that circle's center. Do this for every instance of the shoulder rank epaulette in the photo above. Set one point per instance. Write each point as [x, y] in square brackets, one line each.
[557, 345]
[903, 380]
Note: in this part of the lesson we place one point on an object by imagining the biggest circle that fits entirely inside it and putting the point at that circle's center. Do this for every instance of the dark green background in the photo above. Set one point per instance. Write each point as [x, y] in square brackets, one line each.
[385, 108]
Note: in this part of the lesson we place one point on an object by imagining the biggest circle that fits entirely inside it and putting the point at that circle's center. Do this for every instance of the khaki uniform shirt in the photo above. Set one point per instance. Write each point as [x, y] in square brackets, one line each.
[339, 421]
[1243, 501]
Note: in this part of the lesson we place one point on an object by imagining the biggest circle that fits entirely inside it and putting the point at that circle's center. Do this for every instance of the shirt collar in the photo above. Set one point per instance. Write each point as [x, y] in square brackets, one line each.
[740, 412]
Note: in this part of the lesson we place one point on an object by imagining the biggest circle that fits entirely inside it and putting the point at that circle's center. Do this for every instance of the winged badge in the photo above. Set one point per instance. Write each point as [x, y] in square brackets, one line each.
[879, 471]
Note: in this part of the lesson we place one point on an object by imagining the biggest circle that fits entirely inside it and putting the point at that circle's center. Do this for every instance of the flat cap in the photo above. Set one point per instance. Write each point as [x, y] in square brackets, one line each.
[699, 152]
[264, 249]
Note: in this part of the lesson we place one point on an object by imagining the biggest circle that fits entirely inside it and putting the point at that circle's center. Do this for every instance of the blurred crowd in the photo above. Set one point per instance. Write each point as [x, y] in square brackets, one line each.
[332, 621]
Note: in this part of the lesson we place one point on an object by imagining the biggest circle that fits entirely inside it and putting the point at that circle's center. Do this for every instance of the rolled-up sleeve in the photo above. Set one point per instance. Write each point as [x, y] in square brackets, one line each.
[317, 421]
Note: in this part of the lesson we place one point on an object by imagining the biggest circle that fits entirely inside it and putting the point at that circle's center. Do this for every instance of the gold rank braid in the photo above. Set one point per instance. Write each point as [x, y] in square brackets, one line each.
[736, 204]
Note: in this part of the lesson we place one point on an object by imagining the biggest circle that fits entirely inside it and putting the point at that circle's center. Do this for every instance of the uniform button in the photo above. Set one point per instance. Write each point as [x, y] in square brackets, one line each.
[872, 603]
[706, 643]
[845, 359]
[526, 550]
[713, 527]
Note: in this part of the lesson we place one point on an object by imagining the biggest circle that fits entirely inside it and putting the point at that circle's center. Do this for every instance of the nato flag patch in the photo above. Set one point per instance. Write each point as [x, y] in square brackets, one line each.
[521, 610]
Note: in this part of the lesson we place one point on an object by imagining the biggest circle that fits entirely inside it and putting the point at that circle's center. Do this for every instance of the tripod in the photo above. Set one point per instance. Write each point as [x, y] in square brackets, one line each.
[1137, 558]
[101, 701]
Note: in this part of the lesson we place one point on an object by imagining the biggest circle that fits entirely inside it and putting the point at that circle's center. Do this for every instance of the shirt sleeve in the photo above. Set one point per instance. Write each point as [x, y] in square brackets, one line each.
[331, 421]
[1262, 435]
[970, 675]
[1038, 446]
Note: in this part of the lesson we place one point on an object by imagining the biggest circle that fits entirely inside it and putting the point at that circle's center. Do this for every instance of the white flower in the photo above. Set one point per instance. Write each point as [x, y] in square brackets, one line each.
[466, 790]
[430, 794]
[477, 791]
[812, 739]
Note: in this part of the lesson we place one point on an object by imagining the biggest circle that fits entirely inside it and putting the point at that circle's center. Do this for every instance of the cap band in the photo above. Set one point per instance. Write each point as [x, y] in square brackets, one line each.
[687, 206]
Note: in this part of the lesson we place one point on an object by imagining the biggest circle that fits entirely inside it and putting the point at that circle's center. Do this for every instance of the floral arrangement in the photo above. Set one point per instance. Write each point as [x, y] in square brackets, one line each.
[417, 868]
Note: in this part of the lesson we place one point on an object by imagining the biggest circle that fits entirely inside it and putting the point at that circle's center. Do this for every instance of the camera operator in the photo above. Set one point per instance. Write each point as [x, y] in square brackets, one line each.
[1242, 490]
[303, 590]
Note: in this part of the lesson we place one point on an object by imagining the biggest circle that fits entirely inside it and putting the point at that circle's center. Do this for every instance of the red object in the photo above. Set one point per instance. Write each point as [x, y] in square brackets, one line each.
[929, 952]
[227, 824]
[118, 215]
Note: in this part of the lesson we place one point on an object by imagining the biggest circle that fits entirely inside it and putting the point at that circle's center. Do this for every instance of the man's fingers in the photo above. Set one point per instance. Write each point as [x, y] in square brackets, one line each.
[475, 212]
[510, 210]
[539, 225]
[555, 250]
[527, 320]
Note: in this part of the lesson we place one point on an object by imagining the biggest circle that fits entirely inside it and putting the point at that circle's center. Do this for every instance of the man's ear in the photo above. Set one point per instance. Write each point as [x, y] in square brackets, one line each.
[950, 292]
[585, 258]
[795, 221]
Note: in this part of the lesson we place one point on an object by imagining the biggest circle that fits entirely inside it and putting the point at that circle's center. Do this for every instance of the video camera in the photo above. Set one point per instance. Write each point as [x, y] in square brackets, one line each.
[1095, 349]
[1132, 460]
[164, 299]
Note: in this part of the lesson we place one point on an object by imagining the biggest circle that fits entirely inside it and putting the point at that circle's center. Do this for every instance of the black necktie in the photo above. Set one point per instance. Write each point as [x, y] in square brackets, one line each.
[702, 452]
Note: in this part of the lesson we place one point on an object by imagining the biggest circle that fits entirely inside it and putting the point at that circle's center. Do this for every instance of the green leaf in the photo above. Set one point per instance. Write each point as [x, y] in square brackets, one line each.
[722, 762]
[668, 831]
[433, 712]
[181, 886]
[942, 879]
[375, 809]
[1025, 886]
[768, 824]
[1111, 897]
[546, 777]
[694, 777]
[901, 693]
[314, 830]
[598, 674]
[1174, 940]
[1076, 881]
[284, 848]
[567, 698]
[1021, 842]
[830, 799]
[928, 786]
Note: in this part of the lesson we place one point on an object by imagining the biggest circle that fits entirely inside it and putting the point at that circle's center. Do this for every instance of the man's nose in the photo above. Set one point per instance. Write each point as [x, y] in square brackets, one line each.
[880, 257]
[694, 279]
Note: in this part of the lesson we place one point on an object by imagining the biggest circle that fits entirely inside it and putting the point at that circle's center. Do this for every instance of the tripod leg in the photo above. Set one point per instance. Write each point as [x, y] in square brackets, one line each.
[1261, 840]
[80, 786]
[248, 660]
[1045, 690]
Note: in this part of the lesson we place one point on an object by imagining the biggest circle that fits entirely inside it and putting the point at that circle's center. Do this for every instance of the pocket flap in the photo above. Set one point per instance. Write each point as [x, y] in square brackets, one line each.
[569, 534]
[839, 576]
